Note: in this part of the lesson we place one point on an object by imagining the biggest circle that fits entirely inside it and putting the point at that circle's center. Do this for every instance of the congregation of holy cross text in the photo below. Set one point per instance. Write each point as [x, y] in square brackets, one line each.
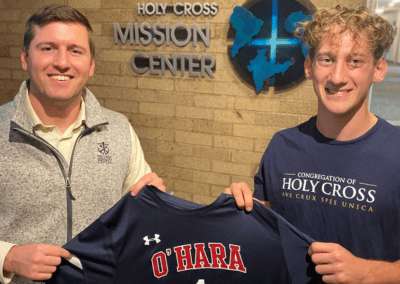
[330, 190]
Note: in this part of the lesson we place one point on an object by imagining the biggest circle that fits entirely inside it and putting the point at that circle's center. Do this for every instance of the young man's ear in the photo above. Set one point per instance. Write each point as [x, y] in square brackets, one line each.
[24, 59]
[380, 70]
[307, 67]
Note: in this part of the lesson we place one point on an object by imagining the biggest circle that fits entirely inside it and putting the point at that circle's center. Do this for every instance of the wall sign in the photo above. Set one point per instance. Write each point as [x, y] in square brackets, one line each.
[264, 51]
[180, 35]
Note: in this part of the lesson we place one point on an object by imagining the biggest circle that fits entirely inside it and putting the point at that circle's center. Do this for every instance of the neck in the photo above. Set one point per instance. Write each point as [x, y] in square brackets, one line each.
[62, 115]
[345, 127]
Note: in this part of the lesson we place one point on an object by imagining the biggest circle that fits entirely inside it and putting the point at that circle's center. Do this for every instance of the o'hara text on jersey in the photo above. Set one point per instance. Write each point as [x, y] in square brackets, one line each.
[184, 260]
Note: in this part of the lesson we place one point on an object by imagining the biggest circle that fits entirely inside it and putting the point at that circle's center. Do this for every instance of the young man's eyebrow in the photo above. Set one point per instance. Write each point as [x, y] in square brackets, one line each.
[362, 54]
[325, 52]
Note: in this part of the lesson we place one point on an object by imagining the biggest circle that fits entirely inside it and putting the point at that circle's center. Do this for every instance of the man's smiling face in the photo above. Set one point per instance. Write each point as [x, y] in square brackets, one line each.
[342, 75]
[59, 62]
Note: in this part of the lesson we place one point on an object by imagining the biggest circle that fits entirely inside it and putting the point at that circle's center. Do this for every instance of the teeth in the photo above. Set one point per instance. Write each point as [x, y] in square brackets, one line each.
[60, 77]
[335, 92]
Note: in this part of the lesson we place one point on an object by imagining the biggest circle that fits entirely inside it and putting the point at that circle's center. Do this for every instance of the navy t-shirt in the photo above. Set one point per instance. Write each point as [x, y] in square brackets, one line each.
[158, 238]
[343, 192]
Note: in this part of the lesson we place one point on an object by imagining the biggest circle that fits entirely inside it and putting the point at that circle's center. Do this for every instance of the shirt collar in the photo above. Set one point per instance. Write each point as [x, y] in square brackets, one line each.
[37, 122]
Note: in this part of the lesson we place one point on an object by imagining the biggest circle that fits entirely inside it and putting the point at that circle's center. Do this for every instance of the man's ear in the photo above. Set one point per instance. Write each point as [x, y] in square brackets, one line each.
[380, 70]
[91, 70]
[307, 67]
[24, 56]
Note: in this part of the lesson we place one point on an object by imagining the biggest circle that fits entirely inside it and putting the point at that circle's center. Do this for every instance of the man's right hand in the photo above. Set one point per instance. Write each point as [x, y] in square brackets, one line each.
[34, 261]
[242, 194]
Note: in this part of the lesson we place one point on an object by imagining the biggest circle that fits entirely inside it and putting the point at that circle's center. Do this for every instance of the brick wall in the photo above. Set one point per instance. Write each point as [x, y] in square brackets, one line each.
[198, 134]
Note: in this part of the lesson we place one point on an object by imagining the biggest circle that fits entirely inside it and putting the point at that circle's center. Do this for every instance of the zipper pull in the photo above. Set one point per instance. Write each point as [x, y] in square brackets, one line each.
[68, 186]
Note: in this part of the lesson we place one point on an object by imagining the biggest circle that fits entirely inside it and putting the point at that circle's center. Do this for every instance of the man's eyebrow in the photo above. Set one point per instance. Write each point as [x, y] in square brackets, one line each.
[55, 44]
[76, 46]
[362, 54]
[325, 52]
[45, 43]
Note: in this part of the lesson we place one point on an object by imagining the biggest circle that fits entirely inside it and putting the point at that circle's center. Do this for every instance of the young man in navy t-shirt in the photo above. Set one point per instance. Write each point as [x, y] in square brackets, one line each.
[335, 177]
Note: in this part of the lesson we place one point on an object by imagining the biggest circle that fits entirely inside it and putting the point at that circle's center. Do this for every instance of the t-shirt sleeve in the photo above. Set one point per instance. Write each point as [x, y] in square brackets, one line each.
[295, 246]
[94, 248]
[260, 183]
[265, 176]
[67, 273]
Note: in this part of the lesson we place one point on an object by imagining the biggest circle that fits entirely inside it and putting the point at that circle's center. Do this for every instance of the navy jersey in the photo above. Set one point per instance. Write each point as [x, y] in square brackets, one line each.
[158, 238]
[346, 192]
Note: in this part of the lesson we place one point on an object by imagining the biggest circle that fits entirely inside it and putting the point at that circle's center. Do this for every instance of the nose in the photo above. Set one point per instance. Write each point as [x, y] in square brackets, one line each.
[62, 61]
[339, 74]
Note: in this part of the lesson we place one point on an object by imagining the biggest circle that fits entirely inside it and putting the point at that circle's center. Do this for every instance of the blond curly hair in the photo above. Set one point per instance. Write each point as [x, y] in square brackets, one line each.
[359, 21]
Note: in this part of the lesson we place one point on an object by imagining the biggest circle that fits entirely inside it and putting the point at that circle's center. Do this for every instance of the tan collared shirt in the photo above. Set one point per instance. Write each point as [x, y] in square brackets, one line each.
[63, 142]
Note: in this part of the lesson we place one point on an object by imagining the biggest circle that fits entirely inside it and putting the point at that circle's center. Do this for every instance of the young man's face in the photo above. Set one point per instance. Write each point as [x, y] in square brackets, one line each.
[59, 62]
[342, 75]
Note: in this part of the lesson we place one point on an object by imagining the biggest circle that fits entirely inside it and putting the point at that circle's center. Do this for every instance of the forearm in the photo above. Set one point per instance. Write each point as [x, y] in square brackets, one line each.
[382, 272]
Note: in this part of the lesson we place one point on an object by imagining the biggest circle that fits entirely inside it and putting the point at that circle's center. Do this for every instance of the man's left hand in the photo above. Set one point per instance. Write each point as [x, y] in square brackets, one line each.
[337, 265]
[149, 179]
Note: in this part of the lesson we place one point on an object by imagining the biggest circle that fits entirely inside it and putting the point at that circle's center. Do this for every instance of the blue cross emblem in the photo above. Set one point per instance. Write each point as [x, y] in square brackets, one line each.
[262, 30]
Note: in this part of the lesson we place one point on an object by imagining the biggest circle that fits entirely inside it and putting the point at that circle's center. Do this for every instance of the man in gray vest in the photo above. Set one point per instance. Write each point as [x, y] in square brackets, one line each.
[65, 159]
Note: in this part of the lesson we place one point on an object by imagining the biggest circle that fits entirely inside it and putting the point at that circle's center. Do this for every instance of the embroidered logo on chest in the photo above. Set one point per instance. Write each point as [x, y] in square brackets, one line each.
[103, 149]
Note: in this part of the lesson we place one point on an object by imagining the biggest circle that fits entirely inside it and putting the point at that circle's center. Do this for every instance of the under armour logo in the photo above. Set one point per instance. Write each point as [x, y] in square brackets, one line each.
[155, 239]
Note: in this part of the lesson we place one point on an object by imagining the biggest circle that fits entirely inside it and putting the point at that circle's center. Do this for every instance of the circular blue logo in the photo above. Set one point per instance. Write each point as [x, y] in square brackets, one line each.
[264, 51]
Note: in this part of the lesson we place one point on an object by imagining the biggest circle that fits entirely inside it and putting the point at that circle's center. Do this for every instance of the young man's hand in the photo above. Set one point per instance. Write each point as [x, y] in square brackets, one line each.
[337, 265]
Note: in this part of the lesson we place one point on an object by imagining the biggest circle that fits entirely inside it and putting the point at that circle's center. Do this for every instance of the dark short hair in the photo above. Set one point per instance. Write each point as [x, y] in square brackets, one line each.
[55, 13]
